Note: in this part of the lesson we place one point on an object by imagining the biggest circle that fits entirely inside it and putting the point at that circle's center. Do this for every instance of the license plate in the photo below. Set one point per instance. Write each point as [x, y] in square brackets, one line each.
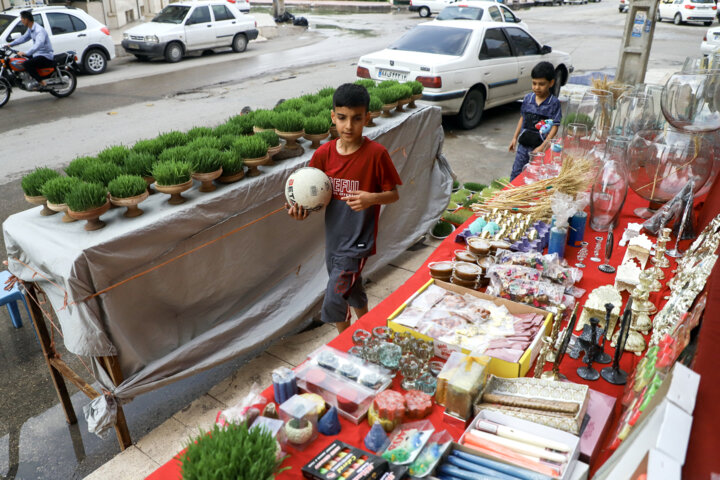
[133, 45]
[392, 75]
[703, 8]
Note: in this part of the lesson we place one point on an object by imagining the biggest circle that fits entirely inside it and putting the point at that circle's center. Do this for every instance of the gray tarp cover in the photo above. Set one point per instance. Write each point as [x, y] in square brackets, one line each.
[223, 300]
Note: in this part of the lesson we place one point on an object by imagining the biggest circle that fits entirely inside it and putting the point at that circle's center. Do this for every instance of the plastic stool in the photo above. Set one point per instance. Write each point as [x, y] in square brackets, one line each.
[10, 299]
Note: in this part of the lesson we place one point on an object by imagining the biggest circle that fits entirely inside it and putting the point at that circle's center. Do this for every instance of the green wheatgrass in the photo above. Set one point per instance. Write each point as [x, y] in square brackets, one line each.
[86, 196]
[56, 189]
[172, 172]
[127, 186]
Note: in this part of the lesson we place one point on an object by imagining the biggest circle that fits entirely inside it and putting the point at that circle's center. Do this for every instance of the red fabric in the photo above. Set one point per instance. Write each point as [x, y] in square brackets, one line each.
[701, 443]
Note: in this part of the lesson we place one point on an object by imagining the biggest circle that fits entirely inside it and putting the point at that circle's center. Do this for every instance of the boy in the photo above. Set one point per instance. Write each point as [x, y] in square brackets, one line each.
[537, 106]
[363, 178]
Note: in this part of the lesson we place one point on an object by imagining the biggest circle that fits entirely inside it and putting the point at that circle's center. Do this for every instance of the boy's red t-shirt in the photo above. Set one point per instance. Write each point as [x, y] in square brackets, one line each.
[369, 169]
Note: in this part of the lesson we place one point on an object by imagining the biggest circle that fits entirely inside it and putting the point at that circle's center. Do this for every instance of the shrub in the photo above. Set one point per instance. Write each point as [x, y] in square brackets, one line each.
[102, 173]
[78, 165]
[317, 125]
[231, 163]
[289, 122]
[375, 103]
[292, 104]
[172, 172]
[139, 164]
[172, 139]
[205, 142]
[416, 87]
[56, 189]
[205, 160]
[311, 109]
[326, 91]
[264, 118]
[388, 84]
[85, 196]
[366, 82]
[270, 137]
[326, 102]
[442, 229]
[126, 186]
[474, 186]
[115, 154]
[250, 147]
[197, 132]
[178, 154]
[243, 122]
[153, 146]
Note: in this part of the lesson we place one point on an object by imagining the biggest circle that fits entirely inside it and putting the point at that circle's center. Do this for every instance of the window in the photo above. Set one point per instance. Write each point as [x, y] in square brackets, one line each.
[460, 13]
[509, 17]
[172, 14]
[60, 23]
[221, 12]
[78, 24]
[19, 27]
[495, 14]
[438, 40]
[495, 45]
[200, 15]
[523, 43]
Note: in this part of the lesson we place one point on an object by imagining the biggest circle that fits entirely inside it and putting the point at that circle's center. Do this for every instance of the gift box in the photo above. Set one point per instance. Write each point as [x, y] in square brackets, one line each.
[340, 460]
[465, 385]
[300, 422]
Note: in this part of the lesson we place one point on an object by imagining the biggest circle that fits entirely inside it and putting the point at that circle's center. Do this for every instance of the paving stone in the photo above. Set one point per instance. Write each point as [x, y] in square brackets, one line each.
[130, 464]
[200, 414]
[231, 390]
[294, 350]
[166, 441]
[387, 280]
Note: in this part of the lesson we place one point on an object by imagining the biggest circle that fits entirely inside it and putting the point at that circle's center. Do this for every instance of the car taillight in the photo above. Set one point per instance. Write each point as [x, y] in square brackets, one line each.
[430, 82]
[231, 1]
[75, 58]
[105, 31]
[363, 72]
[714, 7]
[689, 7]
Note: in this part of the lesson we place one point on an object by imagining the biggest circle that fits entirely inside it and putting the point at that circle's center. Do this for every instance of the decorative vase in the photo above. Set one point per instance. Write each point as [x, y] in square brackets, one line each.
[131, 203]
[232, 178]
[610, 187]
[690, 101]
[401, 103]
[150, 180]
[333, 132]
[61, 207]
[254, 163]
[40, 200]
[175, 191]
[373, 116]
[272, 151]
[386, 109]
[207, 180]
[92, 216]
[316, 138]
[291, 139]
[413, 99]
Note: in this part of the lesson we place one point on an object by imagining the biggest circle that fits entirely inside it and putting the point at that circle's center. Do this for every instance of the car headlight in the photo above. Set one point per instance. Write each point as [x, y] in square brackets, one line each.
[152, 39]
[126, 36]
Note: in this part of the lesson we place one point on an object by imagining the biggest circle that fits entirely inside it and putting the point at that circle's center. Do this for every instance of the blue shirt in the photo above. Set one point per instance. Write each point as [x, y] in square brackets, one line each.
[41, 42]
[533, 113]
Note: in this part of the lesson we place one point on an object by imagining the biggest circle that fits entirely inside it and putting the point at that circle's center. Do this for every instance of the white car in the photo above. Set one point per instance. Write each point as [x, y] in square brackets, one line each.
[624, 6]
[483, 11]
[184, 27]
[711, 42]
[466, 66]
[242, 5]
[681, 11]
[426, 7]
[68, 29]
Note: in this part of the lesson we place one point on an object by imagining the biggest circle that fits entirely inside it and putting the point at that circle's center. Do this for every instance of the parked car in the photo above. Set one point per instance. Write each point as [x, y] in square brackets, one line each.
[466, 66]
[711, 41]
[68, 28]
[480, 10]
[427, 7]
[242, 5]
[681, 11]
[184, 27]
[624, 6]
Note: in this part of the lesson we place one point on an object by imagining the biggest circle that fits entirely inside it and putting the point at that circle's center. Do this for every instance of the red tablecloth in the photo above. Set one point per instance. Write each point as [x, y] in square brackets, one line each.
[593, 278]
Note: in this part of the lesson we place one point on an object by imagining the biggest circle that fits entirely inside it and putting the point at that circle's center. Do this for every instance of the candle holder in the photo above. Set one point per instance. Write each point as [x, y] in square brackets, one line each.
[675, 252]
[596, 253]
[542, 357]
[606, 267]
[582, 255]
[557, 320]
[659, 259]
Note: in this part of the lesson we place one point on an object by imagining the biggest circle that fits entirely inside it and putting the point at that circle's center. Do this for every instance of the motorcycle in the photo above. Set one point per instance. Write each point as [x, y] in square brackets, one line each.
[60, 79]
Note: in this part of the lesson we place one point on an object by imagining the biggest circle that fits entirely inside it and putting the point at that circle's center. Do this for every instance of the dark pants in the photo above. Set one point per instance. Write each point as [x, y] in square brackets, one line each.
[344, 289]
[33, 63]
[522, 157]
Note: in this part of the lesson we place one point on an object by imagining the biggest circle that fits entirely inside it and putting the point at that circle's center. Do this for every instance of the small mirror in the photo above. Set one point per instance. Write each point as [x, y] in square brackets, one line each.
[14, 36]
[545, 49]
[517, 20]
[188, 22]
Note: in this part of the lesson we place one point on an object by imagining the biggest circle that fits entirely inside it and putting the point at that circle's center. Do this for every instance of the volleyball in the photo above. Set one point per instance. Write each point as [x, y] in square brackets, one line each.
[308, 187]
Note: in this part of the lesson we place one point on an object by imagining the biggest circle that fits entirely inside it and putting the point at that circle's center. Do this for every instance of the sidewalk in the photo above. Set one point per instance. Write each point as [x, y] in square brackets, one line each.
[160, 445]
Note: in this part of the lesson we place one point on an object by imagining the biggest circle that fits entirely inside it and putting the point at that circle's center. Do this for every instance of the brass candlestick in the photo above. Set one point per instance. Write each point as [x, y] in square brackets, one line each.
[557, 320]
[540, 364]
[659, 259]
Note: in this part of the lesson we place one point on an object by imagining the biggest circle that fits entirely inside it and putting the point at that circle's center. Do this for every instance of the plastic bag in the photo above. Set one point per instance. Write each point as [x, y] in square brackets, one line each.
[239, 412]
[537, 294]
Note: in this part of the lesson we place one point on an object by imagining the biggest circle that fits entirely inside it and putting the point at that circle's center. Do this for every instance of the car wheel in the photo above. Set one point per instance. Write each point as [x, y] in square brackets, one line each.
[94, 62]
[707, 24]
[142, 58]
[677, 19]
[424, 12]
[174, 52]
[239, 43]
[558, 82]
[472, 109]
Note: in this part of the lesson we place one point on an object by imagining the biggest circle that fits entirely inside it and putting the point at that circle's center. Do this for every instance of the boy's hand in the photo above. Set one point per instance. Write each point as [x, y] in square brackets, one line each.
[296, 211]
[513, 144]
[539, 149]
[358, 200]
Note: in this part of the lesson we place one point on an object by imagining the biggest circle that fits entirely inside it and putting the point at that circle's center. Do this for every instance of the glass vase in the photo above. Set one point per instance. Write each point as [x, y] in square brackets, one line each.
[634, 112]
[595, 111]
[690, 101]
[610, 187]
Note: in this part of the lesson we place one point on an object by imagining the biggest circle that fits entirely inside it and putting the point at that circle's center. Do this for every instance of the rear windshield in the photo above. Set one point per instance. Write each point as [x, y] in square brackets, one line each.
[5, 20]
[460, 13]
[438, 40]
[172, 14]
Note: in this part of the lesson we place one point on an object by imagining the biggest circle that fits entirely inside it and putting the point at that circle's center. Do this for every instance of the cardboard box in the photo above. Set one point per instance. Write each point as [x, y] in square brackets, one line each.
[600, 410]
[499, 368]
[340, 460]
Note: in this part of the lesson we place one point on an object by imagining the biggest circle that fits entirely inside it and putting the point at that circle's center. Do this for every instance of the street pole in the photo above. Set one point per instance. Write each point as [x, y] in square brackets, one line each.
[637, 41]
[278, 8]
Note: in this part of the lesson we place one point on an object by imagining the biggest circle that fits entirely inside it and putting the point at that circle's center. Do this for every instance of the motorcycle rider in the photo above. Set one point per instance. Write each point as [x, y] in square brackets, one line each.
[40, 55]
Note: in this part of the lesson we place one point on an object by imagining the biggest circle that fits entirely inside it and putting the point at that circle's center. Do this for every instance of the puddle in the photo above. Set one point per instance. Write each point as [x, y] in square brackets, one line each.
[361, 32]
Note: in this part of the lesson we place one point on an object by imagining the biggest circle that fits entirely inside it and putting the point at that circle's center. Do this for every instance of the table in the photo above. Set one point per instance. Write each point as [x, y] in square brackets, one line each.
[223, 299]
[354, 434]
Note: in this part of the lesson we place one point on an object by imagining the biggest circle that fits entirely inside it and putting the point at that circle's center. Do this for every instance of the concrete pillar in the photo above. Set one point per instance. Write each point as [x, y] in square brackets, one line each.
[278, 8]
[637, 41]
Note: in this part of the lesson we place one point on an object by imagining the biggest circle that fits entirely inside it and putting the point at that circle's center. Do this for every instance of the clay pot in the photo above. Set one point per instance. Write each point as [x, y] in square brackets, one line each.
[40, 200]
[175, 191]
[413, 99]
[92, 216]
[272, 151]
[61, 207]
[150, 180]
[373, 116]
[386, 109]
[207, 179]
[258, 129]
[291, 139]
[333, 132]
[235, 177]
[401, 103]
[316, 138]
[254, 163]
[131, 203]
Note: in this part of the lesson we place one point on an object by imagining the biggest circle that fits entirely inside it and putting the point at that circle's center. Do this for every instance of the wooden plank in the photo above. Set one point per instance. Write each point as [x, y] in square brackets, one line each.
[112, 367]
[74, 378]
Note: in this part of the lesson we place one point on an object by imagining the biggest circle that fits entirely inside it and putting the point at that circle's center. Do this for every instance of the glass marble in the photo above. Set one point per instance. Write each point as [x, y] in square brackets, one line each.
[426, 383]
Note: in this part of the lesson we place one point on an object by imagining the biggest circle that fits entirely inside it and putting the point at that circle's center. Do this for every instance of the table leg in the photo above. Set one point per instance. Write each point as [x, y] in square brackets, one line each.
[49, 352]
[112, 366]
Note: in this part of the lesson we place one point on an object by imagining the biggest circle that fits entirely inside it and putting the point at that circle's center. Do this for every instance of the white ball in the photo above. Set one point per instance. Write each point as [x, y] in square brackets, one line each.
[308, 187]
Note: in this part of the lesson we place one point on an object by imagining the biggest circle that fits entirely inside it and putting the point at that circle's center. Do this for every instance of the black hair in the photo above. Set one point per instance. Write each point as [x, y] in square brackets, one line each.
[543, 70]
[27, 15]
[351, 96]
